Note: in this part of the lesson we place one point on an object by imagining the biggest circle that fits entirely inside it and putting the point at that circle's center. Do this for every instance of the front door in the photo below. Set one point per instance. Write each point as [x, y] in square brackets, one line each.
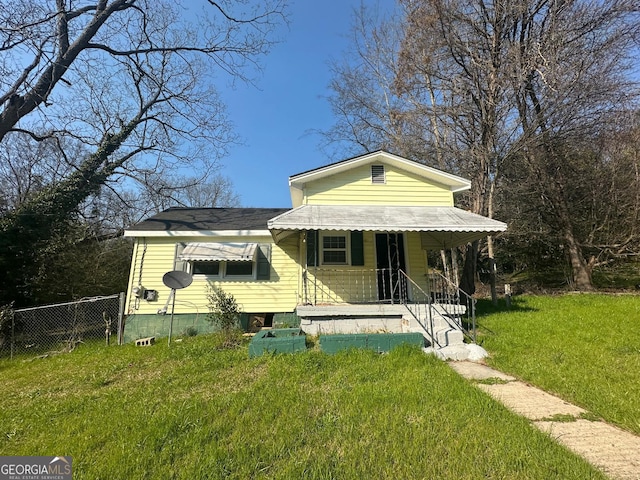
[389, 260]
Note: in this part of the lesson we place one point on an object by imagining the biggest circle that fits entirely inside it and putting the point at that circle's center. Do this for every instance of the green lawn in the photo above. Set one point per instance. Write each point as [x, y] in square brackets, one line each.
[584, 348]
[193, 411]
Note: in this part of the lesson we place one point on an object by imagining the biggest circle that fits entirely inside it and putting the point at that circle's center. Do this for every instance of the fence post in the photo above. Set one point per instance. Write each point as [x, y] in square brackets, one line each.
[13, 329]
[121, 318]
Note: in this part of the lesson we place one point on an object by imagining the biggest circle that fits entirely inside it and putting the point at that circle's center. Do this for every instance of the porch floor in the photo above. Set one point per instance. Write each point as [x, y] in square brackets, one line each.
[351, 310]
[372, 309]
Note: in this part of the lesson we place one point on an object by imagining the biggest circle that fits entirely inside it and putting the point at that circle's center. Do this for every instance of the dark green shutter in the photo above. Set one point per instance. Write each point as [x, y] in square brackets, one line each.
[357, 248]
[312, 248]
[264, 262]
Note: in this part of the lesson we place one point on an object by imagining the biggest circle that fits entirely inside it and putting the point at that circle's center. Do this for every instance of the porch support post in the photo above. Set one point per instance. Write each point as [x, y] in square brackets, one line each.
[302, 240]
[445, 263]
[391, 286]
[454, 265]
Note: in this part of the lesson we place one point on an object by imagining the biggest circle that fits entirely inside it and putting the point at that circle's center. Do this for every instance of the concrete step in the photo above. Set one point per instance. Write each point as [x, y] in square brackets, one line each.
[448, 337]
[451, 310]
[445, 337]
[444, 333]
[439, 323]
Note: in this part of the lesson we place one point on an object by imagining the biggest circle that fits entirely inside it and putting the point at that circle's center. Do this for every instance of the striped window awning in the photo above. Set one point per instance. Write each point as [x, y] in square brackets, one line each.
[230, 252]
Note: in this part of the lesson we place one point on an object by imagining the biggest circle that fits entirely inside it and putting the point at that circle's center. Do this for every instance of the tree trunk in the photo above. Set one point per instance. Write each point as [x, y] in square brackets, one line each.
[468, 280]
[580, 269]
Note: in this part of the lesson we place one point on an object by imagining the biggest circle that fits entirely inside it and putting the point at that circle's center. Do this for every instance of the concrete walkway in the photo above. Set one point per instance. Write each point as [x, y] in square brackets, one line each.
[614, 451]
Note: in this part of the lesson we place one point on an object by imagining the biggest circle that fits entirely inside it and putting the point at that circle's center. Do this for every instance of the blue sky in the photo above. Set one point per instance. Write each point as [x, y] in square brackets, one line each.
[274, 119]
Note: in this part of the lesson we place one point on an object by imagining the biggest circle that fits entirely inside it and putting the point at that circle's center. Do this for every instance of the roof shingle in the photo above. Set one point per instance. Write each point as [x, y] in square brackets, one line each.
[208, 219]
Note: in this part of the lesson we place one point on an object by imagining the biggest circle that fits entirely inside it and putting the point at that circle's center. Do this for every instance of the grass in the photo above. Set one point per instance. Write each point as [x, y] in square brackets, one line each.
[584, 348]
[195, 411]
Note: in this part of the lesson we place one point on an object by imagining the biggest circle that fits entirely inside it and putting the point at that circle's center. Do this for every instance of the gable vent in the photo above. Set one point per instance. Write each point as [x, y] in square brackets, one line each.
[377, 174]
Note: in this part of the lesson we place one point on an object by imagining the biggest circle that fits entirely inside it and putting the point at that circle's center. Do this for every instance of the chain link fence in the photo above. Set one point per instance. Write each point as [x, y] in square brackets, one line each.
[60, 327]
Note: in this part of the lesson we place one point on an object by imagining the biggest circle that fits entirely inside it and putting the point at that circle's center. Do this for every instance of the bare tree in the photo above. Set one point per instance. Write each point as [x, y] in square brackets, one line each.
[458, 61]
[131, 81]
[214, 191]
[571, 71]
[364, 101]
[431, 87]
[27, 167]
[523, 84]
[604, 203]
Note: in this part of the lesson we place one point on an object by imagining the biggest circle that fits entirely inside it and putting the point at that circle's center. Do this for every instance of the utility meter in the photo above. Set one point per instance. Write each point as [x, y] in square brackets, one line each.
[151, 295]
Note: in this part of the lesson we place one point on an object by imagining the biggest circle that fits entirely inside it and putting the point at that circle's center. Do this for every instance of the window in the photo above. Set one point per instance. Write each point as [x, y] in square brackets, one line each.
[377, 174]
[205, 268]
[223, 269]
[237, 269]
[334, 249]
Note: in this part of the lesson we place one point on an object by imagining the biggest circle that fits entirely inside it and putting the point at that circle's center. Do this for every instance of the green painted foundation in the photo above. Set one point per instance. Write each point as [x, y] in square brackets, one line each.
[189, 324]
[278, 340]
[379, 342]
[184, 325]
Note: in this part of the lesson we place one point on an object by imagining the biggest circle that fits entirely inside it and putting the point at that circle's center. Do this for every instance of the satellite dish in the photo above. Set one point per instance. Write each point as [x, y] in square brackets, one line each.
[177, 279]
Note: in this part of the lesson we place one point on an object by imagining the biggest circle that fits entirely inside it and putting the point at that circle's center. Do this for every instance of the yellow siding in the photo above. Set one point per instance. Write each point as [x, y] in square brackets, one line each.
[353, 284]
[279, 294]
[153, 257]
[354, 187]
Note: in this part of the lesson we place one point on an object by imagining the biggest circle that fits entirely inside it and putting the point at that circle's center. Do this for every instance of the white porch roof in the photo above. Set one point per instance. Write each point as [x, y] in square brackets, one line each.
[441, 227]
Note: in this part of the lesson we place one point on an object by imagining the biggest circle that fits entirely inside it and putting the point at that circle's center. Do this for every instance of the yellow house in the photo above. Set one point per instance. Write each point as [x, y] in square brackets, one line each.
[350, 256]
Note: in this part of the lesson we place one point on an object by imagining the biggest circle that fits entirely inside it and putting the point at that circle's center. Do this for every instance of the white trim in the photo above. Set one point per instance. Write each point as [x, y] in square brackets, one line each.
[197, 233]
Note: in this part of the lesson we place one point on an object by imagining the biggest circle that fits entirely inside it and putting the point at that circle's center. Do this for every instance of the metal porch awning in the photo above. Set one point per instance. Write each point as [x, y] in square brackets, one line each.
[231, 252]
[440, 227]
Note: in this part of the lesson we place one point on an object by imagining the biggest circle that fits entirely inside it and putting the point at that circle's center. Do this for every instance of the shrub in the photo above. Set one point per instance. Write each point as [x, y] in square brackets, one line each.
[224, 313]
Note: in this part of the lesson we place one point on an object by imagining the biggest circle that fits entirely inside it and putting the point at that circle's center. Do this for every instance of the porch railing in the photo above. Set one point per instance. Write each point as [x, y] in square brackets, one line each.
[434, 294]
[330, 286]
[460, 306]
[420, 306]
[444, 299]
